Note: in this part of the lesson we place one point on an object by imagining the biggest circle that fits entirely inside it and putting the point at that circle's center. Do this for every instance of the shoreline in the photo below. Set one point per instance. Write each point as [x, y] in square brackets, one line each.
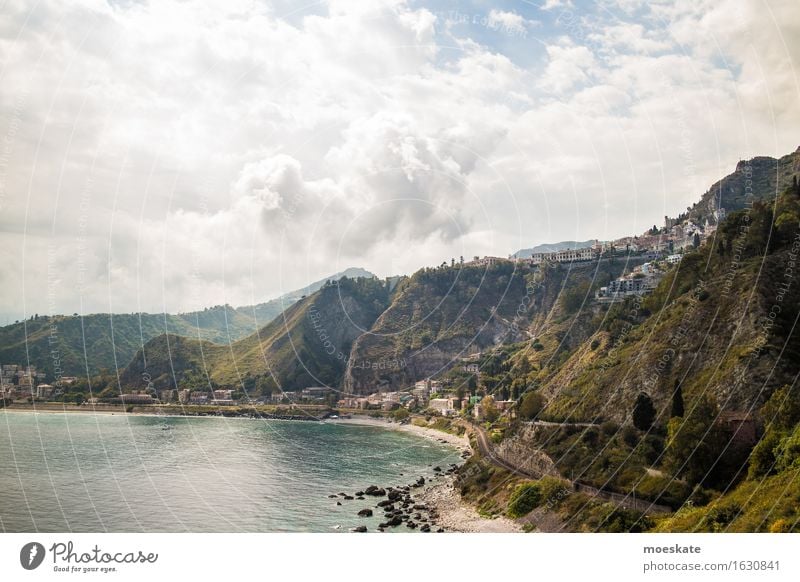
[454, 514]
[458, 516]
[462, 442]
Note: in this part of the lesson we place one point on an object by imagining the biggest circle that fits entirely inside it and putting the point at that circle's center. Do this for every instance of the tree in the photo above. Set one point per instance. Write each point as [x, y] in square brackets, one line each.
[79, 398]
[696, 240]
[694, 443]
[531, 406]
[677, 401]
[489, 409]
[644, 413]
[401, 414]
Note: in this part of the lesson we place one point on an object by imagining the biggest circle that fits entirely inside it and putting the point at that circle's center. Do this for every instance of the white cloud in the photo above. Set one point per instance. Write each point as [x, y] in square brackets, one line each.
[508, 22]
[568, 65]
[146, 147]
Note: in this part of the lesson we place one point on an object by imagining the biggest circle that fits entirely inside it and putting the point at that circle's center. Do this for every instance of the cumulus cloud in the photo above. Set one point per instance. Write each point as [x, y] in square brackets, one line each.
[173, 155]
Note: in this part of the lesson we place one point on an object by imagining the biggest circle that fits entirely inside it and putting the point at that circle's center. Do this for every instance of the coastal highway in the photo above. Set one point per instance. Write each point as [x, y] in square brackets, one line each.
[487, 451]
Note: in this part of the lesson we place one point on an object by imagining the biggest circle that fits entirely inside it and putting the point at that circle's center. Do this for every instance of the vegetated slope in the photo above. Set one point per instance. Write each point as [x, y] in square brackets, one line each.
[760, 178]
[436, 317]
[711, 327]
[84, 345]
[439, 317]
[664, 383]
[306, 346]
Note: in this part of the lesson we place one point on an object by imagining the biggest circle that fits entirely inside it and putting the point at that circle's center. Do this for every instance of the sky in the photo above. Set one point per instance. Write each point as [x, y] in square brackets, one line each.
[168, 156]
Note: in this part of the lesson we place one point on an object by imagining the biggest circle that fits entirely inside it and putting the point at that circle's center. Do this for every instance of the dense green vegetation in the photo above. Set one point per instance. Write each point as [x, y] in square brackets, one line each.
[73, 345]
[308, 345]
[658, 377]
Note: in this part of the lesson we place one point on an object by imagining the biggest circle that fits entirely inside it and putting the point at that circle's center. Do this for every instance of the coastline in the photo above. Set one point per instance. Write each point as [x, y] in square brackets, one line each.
[440, 494]
[455, 515]
[462, 442]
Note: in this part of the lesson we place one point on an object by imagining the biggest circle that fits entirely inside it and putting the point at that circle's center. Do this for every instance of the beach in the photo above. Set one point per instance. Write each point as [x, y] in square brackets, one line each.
[455, 515]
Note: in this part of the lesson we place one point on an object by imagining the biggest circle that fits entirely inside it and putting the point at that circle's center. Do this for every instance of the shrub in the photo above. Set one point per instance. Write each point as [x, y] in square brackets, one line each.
[762, 459]
[629, 436]
[553, 490]
[780, 526]
[531, 406]
[526, 498]
[609, 428]
[788, 451]
[401, 414]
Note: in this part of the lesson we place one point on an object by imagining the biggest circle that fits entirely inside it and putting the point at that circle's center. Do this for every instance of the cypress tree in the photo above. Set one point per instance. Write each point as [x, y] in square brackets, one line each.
[644, 413]
[677, 401]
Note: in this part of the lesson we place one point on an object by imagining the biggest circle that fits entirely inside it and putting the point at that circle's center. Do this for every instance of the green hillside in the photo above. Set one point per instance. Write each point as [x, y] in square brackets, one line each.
[760, 178]
[306, 346]
[81, 346]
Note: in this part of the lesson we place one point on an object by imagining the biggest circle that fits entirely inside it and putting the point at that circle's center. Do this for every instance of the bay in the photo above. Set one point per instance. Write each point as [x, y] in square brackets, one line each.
[129, 473]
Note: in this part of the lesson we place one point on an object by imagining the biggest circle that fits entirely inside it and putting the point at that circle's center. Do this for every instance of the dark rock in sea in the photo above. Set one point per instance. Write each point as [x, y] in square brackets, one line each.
[417, 516]
[359, 529]
[349, 497]
[342, 494]
[360, 498]
[440, 530]
[338, 503]
[411, 525]
[394, 495]
[394, 522]
[365, 513]
[421, 481]
[332, 496]
[384, 503]
[358, 493]
[374, 491]
[437, 469]
[425, 528]
[421, 507]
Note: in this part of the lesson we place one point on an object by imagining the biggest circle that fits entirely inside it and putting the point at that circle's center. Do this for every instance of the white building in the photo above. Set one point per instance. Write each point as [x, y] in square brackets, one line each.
[565, 256]
[444, 406]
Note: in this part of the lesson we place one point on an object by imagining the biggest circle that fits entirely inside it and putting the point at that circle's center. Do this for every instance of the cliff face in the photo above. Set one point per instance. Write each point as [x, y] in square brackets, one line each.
[436, 318]
[760, 178]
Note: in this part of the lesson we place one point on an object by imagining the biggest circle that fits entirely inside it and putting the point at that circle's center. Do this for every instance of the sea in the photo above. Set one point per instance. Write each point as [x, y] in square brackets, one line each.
[80, 472]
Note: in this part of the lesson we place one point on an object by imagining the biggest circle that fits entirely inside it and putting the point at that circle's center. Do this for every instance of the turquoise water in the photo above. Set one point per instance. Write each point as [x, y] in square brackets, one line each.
[127, 473]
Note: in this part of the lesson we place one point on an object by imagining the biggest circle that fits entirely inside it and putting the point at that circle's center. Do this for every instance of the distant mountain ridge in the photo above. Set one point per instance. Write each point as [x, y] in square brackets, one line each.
[81, 345]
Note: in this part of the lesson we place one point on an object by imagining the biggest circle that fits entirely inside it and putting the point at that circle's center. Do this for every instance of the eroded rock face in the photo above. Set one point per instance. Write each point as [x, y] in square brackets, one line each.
[436, 317]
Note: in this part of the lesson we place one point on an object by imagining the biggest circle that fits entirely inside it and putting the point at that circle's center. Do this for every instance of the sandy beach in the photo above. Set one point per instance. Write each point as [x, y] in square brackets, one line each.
[462, 442]
[457, 516]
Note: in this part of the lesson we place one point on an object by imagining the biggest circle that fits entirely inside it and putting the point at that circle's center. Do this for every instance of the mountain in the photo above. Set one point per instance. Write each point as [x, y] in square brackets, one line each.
[439, 317]
[81, 345]
[306, 346]
[686, 398]
[553, 247]
[760, 178]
